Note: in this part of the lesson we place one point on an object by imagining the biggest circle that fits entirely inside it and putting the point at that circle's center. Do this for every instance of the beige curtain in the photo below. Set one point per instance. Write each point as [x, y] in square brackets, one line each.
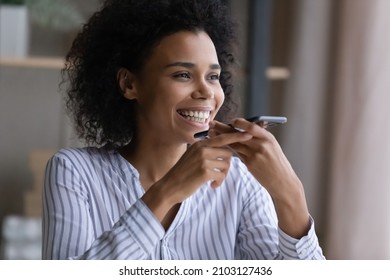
[338, 134]
[303, 137]
[359, 200]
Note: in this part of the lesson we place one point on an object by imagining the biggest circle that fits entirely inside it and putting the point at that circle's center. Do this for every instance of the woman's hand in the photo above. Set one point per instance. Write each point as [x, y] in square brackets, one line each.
[204, 161]
[265, 159]
[263, 156]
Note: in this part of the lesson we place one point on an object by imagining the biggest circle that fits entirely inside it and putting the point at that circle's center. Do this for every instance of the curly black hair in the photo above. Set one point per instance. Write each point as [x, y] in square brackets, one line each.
[122, 34]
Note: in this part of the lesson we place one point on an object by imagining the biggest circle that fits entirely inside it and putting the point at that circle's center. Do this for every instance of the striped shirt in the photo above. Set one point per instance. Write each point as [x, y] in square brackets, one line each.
[92, 209]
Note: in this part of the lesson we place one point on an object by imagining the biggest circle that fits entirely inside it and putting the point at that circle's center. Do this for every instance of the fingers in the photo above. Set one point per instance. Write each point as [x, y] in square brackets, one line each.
[242, 149]
[218, 171]
[218, 128]
[260, 136]
[250, 127]
[225, 139]
[238, 125]
[212, 156]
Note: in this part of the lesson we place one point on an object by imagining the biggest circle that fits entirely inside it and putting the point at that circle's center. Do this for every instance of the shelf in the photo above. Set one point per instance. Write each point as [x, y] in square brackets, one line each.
[277, 73]
[33, 62]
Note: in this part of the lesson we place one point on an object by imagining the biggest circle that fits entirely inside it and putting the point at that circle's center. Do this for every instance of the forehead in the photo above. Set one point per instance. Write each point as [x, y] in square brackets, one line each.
[186, 46]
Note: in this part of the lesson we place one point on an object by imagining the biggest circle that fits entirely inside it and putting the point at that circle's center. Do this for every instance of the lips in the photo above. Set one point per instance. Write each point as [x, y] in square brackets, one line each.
[195, 116]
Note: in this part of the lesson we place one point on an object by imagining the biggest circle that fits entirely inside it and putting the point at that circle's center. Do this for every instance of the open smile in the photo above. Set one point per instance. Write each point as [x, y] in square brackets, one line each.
[195, 116]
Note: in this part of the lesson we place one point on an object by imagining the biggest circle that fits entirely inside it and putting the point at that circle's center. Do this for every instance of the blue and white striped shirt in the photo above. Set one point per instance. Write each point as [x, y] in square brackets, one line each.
[92, 210]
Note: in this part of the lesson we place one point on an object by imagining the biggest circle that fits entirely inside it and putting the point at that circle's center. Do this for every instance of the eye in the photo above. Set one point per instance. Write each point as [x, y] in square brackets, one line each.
[182, 75]
[214, 77]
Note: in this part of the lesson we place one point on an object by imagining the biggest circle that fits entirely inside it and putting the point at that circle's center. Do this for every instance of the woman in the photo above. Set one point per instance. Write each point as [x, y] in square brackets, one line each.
[144, 78]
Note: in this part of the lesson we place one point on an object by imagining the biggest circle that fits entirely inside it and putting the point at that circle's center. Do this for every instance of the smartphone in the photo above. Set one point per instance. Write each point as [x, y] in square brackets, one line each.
[264, 121]
[268, 121]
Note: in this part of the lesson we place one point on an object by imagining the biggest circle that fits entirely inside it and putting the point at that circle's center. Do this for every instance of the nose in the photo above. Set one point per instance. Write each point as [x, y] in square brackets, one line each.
[203, 91]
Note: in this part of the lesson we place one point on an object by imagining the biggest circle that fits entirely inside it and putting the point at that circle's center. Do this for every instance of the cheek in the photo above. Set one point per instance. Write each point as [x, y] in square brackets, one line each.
[220, 98]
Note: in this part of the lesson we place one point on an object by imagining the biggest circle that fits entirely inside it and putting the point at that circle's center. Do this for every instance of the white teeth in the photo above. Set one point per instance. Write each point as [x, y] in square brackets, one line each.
[196, 116]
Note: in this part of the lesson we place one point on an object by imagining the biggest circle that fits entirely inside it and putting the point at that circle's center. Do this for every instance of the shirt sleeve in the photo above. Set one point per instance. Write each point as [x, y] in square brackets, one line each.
[259, 236]
[68, 227]
[306, 248]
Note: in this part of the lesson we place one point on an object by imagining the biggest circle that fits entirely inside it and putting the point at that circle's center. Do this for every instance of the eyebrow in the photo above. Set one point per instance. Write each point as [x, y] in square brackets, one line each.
[191, 65]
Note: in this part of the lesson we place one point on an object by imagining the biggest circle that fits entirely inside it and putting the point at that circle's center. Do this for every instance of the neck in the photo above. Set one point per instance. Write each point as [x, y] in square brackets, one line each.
[152, 158]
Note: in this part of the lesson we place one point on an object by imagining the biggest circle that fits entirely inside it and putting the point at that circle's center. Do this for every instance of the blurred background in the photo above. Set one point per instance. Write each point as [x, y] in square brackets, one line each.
[325, 64]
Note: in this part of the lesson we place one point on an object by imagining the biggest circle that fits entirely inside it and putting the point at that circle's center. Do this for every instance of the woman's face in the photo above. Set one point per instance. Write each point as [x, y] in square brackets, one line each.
[178, 90]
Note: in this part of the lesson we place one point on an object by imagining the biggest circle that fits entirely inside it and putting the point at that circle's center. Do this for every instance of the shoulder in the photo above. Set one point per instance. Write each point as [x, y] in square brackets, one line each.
[86, 164]
[77, 154]
[82, 157]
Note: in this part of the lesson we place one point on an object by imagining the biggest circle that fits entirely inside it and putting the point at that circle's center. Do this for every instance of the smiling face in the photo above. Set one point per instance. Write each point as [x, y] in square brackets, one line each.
[178, 91]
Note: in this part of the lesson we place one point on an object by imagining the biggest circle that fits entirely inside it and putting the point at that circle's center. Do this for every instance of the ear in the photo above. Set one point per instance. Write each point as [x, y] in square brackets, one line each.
[126, 83]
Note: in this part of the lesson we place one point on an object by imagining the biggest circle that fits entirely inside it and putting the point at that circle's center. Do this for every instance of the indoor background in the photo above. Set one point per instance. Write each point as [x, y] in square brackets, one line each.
[325, 64]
